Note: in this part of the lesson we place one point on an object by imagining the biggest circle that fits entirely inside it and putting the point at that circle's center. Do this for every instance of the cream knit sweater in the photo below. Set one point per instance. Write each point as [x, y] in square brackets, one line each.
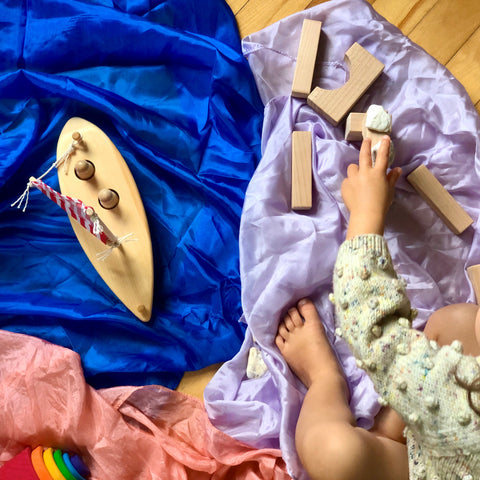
[411, 374]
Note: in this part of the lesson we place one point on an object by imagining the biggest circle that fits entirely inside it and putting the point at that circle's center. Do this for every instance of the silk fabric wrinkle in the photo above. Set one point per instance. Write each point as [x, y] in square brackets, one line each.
[122, 432]
[167, 82]
[287, 255]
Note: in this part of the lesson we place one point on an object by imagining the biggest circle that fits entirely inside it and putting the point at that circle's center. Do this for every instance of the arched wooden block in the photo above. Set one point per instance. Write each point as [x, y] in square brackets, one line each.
[335, 104]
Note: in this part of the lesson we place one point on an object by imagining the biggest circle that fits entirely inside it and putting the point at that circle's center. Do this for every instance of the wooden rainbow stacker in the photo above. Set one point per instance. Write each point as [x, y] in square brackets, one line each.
[97, 174]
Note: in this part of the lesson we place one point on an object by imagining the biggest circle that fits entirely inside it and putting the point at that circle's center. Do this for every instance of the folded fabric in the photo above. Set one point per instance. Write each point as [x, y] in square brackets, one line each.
[146, 432]
[167, 82]
[287, 255]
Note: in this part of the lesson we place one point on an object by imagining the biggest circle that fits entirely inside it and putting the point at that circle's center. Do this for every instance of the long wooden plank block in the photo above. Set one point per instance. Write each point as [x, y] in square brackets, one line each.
[306, 56]
[335, 104]
[433, 192]
[301, 170]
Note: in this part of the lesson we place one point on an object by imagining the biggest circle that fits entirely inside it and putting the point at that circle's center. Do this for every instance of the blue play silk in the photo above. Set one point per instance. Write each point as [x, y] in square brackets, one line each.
[167, 82]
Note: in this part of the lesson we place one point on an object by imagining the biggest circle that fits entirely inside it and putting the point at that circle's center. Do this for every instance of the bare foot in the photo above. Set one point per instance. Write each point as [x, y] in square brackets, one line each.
[302, 341]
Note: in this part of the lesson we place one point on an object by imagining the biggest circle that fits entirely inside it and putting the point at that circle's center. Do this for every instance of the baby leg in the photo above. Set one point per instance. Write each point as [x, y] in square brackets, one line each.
[460, 321]
[329, 443]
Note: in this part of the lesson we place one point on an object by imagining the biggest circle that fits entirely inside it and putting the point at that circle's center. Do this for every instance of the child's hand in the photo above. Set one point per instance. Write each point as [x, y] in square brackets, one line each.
[368, 191]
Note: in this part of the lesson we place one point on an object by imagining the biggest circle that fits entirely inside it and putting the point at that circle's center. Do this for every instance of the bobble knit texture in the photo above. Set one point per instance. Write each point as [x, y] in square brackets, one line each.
[410, 373]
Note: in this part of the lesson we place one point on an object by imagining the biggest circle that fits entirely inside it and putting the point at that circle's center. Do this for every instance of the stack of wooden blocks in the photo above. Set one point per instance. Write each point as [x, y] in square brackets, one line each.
[334, 105]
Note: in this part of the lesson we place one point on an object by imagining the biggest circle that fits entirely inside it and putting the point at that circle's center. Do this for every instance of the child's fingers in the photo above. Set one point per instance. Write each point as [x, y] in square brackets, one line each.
[352, 169]
[365, 158]
[381, 162]
[393, 176]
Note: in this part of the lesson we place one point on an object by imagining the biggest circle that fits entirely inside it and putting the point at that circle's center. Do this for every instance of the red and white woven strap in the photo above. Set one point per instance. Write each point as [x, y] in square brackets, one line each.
[82, 213]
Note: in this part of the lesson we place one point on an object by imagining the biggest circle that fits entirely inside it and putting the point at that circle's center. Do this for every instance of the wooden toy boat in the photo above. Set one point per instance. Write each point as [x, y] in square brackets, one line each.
[97, 174]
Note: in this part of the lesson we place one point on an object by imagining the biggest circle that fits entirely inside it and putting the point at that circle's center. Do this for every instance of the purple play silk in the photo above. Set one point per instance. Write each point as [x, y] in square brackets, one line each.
[288, 255]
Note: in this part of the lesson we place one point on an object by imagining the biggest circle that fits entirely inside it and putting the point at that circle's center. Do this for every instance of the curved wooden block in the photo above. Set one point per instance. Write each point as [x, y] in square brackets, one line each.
[335, 104]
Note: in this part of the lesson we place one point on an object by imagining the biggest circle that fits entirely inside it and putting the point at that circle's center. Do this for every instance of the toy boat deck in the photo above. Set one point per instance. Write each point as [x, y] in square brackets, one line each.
[108, 186]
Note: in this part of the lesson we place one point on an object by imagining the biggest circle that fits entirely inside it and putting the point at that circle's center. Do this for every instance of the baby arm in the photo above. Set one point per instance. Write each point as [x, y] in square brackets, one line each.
[368, 190]
[373, 313]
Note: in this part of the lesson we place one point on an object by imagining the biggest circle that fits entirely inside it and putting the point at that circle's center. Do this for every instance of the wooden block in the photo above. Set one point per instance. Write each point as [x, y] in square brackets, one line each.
[335, 104]
[301, 170]
[354, 127]
[474, 276]
[306, 56]
[433, 192]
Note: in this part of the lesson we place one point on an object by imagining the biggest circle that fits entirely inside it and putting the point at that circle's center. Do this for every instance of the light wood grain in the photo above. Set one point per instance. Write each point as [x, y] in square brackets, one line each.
[128, 271]
[364, 69]
[444, 205]
[194, 383]
[464, 65]
[306, 56]
[446, 27]
[405, 14]
[301, 170]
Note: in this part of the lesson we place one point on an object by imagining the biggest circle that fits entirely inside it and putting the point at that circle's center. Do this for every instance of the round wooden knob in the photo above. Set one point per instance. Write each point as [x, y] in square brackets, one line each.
[77, 137]
[108, 198]
[84, 169]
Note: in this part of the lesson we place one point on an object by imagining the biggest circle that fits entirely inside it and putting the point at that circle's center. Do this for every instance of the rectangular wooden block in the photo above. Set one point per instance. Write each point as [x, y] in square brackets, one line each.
[301, 170]
[474, 276]
[433, 192]
[354, 127]
[306, 57]
[335, 104]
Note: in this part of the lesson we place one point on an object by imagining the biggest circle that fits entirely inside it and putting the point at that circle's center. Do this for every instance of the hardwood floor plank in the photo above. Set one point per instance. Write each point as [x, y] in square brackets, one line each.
[446, 27]
[465, 66]
[257, 14]
[405, 14]
[236, 5]
[194, 383]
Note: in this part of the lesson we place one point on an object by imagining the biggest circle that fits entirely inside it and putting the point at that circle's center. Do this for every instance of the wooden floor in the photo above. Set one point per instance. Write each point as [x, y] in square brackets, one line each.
[447, 29]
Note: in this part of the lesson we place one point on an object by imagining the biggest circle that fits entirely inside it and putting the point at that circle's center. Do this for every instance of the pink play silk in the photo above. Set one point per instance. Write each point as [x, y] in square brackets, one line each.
[122, 433]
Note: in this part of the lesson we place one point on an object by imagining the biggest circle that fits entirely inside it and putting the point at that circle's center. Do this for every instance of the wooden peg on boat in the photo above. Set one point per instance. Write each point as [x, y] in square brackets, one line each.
[77, 137]
[108, 198]
[84, 169]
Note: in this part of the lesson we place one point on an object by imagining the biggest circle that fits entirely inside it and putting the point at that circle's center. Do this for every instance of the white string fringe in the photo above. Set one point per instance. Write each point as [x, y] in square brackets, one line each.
[64, 158]
[102, 256]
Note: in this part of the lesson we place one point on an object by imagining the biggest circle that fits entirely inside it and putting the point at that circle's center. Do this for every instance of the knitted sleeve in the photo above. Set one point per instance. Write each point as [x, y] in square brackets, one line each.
[410, 373]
